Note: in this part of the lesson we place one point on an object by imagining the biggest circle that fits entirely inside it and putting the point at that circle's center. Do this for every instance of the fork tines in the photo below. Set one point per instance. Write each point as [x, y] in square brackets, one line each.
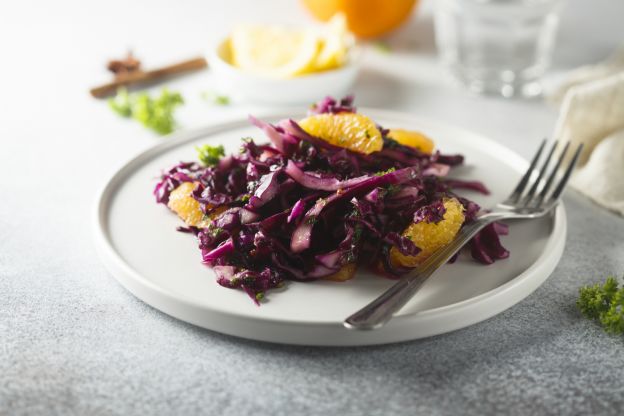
[539, 181]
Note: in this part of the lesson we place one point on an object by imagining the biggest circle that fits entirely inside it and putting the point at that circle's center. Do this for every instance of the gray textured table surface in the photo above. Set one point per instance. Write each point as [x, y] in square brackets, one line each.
[72, 341]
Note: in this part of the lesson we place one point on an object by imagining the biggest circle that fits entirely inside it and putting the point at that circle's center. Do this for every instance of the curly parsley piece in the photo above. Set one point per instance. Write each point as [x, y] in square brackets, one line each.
[154, 113]
[121, 103]
[210, 155]
[605, 304]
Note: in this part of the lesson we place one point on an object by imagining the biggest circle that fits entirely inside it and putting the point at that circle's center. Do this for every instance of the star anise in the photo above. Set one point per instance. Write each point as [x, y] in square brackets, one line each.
[123, 67]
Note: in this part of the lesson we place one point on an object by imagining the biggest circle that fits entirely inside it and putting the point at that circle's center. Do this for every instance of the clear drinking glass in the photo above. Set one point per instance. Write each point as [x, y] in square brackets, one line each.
[497, 46]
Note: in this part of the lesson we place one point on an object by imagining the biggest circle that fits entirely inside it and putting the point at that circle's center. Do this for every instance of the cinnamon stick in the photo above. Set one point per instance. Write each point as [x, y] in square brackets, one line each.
[144, 77]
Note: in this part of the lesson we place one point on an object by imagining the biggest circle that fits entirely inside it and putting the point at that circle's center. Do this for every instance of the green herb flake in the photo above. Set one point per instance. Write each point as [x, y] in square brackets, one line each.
[311, 220]
[382, 46]
[214, 98]
[210, 155]
[393, 189]
[156, 114]
[357, 234]
[605, 304]
[385, 172]
[212, 229]
[222, 100]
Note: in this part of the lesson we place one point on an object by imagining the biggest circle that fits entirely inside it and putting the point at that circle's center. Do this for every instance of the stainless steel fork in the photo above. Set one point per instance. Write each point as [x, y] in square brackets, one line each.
[531, 198]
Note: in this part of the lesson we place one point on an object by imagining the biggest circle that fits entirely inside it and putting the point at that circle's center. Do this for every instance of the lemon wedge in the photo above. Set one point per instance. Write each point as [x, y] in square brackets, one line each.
[335, 43]
[274, 51]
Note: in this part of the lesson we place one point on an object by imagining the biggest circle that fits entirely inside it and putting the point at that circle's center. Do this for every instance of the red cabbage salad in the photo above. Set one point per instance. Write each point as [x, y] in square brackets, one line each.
[293, 206]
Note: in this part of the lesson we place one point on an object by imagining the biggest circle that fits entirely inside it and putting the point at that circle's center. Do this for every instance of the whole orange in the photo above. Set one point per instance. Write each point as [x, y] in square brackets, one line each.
[365, 18]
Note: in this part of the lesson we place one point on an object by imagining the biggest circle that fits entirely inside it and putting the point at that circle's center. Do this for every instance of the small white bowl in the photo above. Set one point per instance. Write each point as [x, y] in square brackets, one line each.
[297, 90]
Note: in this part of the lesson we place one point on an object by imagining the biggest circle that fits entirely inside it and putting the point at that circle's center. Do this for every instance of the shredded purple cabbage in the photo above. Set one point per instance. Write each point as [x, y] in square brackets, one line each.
[299, 208]
[430, 213]
[330, 105]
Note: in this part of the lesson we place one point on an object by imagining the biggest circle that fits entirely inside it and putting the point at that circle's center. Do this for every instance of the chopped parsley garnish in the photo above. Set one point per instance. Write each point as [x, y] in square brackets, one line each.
[357, 234]
[212, 230]
[210, 155]
[311, 220]
[393, 189]
[154, 113]
[385, 172]
[604, 304]
[214, 98]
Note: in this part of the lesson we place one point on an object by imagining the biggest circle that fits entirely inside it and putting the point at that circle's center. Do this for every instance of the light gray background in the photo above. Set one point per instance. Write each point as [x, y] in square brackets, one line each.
[72, 341]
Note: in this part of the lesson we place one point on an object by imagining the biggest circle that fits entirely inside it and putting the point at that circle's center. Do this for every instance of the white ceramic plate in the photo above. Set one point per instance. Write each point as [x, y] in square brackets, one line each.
[138, 243]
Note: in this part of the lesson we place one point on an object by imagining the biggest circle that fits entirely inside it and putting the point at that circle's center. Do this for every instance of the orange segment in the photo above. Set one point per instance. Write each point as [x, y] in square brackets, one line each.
[345, 273]
[412, 139]
[353, 131]
[429, 237]
[182, 203]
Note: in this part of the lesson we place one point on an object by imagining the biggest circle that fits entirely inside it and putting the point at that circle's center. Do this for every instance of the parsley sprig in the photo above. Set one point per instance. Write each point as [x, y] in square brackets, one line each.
[154, 113]
[210, 155]
[604, 303]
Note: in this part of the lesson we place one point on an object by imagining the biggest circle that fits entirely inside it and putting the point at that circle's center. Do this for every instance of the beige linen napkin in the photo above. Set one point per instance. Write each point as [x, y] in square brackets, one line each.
[592, 113]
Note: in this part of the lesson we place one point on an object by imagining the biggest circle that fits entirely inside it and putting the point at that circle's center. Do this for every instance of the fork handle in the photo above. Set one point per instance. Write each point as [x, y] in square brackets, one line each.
[380, 310]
